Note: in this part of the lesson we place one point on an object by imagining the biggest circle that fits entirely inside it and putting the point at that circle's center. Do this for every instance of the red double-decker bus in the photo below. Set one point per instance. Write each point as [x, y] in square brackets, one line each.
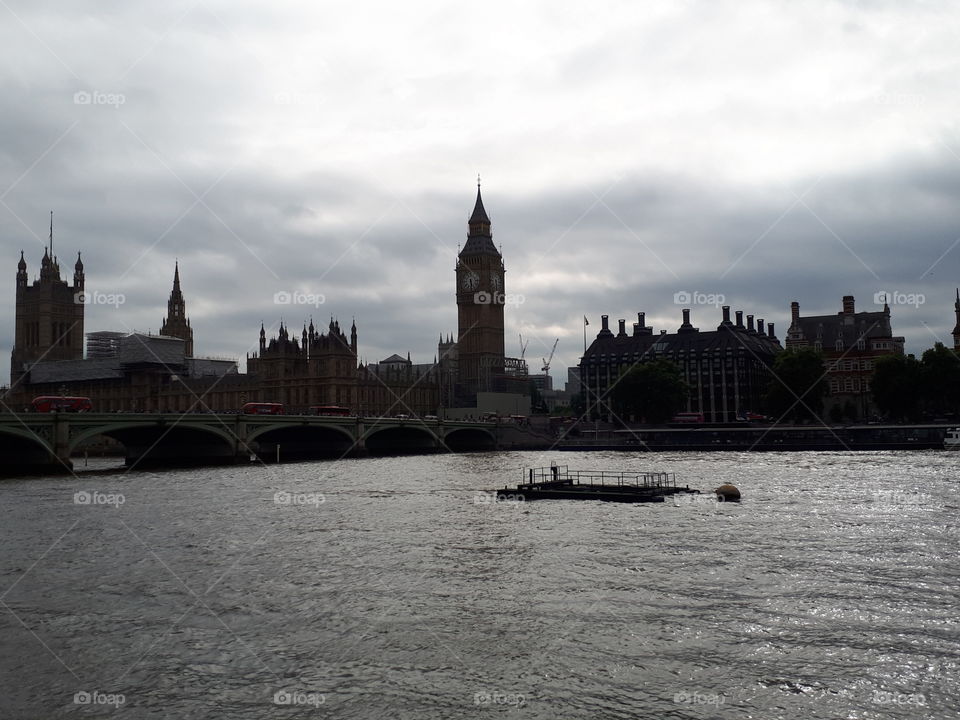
[334, 410]
[61, 403]
[262, 408]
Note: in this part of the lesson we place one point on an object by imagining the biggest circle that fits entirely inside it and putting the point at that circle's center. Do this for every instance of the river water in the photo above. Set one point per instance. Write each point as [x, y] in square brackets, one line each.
[394, 588]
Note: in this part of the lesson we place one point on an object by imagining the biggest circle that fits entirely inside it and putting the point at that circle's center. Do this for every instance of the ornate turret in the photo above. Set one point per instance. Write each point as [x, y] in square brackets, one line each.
[263, 338]
[21, 272]
[479, 238]
[353, 337]
[176, 324]
[78, 277]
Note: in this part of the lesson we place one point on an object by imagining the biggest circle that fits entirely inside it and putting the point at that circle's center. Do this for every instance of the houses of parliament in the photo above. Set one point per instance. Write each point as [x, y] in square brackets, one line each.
[146, 372]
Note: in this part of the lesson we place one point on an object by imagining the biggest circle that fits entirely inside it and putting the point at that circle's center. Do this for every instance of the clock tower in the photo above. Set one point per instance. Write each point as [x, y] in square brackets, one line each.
[480, 296]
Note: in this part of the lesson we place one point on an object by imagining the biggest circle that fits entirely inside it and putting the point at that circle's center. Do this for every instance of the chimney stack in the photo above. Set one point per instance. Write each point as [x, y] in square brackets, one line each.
[605, 324]
[770, 332]
[794, 314]
[739, 318]
[726, 314]
[848, 305]
[642, 319]
[760, 329]
[636, 329]
[623, 328]
[686, 317]
[750, 327]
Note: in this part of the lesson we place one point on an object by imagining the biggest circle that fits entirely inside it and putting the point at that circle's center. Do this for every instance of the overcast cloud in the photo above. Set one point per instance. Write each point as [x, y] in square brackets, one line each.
[762, 151]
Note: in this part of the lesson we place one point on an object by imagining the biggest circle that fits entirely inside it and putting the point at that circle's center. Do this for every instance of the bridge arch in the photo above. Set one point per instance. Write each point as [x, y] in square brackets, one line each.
[470, 438]
[300, 440]
[24, 450]
[400, 438]
[117, 431]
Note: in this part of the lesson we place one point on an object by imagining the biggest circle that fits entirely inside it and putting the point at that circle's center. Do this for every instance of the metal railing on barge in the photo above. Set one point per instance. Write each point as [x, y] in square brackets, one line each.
[561, 475]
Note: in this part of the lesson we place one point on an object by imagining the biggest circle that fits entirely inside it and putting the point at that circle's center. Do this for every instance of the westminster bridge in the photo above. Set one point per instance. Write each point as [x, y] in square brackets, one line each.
[45, 442]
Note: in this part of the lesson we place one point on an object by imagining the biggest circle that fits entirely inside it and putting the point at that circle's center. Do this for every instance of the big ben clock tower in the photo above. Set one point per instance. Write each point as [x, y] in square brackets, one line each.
[480, 295]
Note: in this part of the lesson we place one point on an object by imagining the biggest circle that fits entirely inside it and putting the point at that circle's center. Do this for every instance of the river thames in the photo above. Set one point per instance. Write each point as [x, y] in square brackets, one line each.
[396, 588]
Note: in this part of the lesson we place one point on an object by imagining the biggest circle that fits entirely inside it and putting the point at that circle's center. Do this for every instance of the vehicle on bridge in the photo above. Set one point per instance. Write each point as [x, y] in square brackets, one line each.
[61, 403]
[334, 410]
[262, 408]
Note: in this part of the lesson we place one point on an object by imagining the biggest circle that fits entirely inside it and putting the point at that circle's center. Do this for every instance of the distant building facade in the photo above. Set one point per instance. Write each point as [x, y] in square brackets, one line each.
[727, 369]
[147, 373]
[851, 343]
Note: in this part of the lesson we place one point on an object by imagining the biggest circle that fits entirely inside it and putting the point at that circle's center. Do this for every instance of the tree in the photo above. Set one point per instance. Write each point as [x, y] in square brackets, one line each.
[940, 379]
[896, 386]
[798, 385]
[653, 390]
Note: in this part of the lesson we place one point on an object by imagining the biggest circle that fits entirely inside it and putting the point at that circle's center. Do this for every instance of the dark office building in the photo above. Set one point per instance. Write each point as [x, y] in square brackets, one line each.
[727, 369]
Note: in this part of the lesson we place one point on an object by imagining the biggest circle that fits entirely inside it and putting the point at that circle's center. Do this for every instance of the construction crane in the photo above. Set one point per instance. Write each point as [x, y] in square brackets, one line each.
[546, 363]
[523, 346]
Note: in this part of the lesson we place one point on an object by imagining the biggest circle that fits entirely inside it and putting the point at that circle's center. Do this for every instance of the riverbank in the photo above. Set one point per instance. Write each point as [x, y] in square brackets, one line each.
[761, 438]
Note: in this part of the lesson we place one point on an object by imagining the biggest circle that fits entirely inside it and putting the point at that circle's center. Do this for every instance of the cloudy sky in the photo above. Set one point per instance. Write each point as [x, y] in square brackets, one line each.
[629, 151]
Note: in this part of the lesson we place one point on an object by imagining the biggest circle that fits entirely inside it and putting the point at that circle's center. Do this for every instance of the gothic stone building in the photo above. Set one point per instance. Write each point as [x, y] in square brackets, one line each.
[727, 369]
[850, 342]
[49, 315]
[323, 369]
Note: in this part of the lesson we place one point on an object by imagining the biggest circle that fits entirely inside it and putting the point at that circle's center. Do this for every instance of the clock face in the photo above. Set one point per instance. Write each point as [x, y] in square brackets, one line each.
[469, 282]
[496, 282]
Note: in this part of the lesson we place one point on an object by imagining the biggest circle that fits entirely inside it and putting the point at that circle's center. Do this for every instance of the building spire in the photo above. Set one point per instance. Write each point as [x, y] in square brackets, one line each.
[51, 233]
[479, 215]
